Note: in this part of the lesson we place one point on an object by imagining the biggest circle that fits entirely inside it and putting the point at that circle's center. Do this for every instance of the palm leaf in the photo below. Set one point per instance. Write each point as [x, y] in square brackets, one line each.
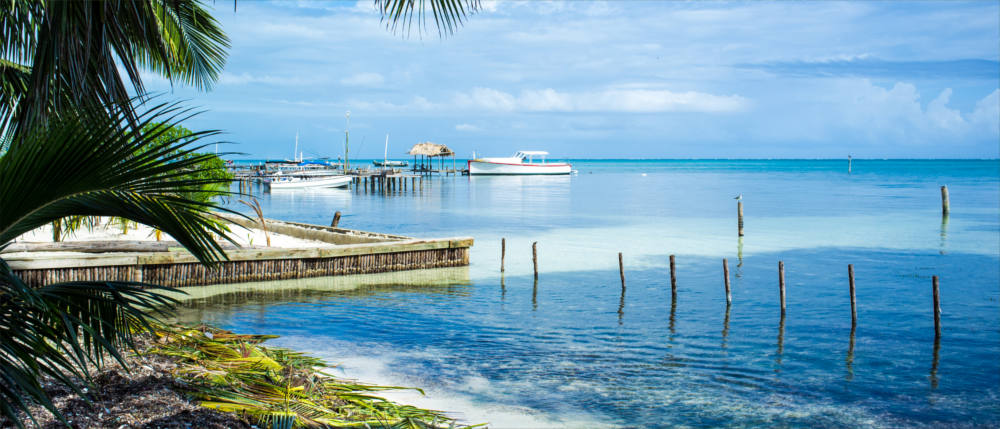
[448, 15]
[90, 165]
[74, 50]
[58, 329]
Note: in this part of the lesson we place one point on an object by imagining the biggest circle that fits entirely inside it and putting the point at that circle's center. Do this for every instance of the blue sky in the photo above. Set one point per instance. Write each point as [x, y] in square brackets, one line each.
[626, 79]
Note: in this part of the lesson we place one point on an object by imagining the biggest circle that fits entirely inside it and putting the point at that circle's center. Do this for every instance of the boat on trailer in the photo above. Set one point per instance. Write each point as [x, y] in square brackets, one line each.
[523, 162]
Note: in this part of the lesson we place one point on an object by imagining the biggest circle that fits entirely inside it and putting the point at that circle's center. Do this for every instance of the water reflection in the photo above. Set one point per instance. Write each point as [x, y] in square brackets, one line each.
[849, 361]
[436, 280]
[534, 296]
[781, 343]
[621, 307]
[725, 326]
[739, 257]
[944, 233]
[503, 288]
[935, 361]
[673, 317]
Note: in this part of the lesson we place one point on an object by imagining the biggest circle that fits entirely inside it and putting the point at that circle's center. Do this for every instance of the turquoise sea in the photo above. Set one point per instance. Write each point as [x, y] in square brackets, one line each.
[572, 350]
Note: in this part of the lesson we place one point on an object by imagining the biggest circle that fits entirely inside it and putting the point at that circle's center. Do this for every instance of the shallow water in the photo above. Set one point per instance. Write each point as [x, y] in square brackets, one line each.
[571, 350]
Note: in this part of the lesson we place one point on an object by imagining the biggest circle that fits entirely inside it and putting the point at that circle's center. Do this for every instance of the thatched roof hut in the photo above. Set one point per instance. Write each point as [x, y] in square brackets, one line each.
[431, 150]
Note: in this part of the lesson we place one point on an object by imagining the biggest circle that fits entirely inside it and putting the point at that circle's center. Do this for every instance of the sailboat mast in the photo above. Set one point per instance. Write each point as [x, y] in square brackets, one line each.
[385, 156]
[295, 155]
[347, 141]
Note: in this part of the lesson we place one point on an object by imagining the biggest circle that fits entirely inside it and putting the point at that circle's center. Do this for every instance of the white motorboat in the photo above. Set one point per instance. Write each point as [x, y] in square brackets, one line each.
[280, 181]
[522, 162]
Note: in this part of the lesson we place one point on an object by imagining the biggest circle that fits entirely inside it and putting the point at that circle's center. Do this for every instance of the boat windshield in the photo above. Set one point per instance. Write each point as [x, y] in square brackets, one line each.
[530, 155]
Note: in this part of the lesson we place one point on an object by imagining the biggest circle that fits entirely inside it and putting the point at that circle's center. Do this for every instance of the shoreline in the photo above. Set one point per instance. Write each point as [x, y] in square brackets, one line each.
[194, 377]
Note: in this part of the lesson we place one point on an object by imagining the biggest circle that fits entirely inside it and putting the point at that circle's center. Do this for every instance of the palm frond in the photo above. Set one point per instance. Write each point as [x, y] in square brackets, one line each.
[91, 165]
[274, 387]
[74, 50]
[449, 15]
[59, 329]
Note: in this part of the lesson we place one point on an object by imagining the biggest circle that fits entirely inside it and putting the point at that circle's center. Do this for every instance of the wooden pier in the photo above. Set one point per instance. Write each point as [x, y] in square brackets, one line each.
[355, 252]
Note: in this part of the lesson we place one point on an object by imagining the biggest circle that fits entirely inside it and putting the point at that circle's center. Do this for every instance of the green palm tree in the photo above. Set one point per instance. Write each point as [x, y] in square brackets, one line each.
[91, 164]
[74, 142]
[58, 55]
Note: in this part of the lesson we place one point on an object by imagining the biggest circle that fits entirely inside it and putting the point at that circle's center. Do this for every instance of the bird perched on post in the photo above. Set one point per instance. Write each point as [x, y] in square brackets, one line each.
[738, 197]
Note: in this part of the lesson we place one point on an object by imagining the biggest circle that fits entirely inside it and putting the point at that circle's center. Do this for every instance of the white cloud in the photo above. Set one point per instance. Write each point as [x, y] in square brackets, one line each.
[987, 113]
[486, 98]
[466, 127]
[631, 99]
[943, 117]
[896, 114]
[363, 79]
[245, 78]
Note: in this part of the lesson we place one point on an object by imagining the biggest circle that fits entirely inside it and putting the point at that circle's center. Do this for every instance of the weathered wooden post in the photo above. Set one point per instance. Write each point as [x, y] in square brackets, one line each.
[781, 285]
[673, 278]
[725, 274]
[336, 219]
[945, 206]
[621, 271]
[534, 257]
[854, 301]
[739, 214]
[503, 252]
[937, 308]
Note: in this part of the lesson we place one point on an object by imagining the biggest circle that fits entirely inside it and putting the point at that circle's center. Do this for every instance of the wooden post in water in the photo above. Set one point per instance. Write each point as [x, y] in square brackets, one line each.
[781, 285]
[854, 301]
[945, 206]
[336, 219]
[621, 271]
[937, 308]
[848, 164]
[503, 252]
[534, 257]
[725, 273]
[673, 278]
[739, 214]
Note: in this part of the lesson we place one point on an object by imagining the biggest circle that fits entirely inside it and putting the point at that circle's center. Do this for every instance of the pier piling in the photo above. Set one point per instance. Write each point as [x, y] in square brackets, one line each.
[725, 274]
[937, 308]
[534, 257]
[621, 272]
[503, 252]
[739, 215]
[854, 301]
[336, 219]
[673, 278]
[781, 285]
[945, 205]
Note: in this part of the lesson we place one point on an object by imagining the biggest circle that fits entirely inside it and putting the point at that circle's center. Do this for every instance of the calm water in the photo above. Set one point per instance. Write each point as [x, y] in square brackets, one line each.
[570, 350]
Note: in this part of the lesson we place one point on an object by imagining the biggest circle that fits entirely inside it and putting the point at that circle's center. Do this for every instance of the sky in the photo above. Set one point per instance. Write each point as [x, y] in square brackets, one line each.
[617, 79]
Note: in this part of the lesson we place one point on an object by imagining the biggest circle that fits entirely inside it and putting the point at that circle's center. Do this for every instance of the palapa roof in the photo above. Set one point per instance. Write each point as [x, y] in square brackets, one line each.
[431, 149]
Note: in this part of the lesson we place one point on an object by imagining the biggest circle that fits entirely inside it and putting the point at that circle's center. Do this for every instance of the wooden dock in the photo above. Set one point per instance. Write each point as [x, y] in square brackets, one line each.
[356, 252]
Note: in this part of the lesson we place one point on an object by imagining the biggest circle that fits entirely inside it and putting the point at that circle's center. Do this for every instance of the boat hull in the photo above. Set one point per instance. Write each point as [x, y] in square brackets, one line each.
[326, 182]
[478, 167]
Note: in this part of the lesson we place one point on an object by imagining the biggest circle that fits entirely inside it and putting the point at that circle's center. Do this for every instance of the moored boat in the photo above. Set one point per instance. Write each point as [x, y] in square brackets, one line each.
[522, 162]
[379, 163]
[280, 181]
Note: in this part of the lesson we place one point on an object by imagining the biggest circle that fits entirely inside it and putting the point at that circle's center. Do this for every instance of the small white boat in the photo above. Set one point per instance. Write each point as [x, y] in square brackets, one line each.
[390, 163]
[522, 162]
[280, 181]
